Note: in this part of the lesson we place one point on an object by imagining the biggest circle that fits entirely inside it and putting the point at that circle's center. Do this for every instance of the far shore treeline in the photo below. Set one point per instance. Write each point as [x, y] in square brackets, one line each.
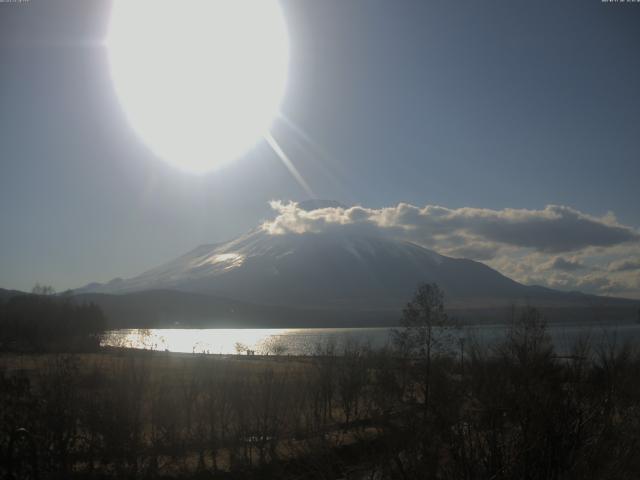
[43, 321]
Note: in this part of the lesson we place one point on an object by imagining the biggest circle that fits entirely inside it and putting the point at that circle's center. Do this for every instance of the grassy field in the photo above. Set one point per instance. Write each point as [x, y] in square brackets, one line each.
[180, 413]
[516, 410]
[160, 364]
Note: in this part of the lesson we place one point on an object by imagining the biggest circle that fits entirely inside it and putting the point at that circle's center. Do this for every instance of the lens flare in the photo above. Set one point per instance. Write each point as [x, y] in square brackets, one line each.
[200, 81]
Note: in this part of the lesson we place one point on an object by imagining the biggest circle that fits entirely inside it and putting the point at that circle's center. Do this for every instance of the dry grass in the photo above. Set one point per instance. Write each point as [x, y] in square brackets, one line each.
[159, 364]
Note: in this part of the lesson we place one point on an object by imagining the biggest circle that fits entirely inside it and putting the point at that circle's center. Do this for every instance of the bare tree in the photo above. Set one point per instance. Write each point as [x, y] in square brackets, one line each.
[39, 289]
[425, 330]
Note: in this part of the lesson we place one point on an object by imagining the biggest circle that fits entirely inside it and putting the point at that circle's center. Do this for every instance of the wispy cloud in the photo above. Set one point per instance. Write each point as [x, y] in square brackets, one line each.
[565, 265]
[624, 265]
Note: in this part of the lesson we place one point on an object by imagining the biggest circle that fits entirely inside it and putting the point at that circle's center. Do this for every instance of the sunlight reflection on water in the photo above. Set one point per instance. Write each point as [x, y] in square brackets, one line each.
[305, 341]
[262, 341]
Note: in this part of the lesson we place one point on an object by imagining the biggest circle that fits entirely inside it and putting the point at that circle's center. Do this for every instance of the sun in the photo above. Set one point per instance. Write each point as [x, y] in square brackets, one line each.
[200, 81]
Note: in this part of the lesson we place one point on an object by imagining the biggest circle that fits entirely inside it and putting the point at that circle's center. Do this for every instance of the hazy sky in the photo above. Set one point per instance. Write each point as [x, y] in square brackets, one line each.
[489, 105]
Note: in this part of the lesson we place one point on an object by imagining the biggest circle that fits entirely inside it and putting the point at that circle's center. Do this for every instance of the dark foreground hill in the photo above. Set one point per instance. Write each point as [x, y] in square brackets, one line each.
[165, 308]
[176, 309]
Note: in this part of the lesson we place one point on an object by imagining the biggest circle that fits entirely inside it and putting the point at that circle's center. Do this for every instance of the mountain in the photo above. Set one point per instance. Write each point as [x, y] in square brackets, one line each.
[7, 294]
[329, 275]
[325, 270]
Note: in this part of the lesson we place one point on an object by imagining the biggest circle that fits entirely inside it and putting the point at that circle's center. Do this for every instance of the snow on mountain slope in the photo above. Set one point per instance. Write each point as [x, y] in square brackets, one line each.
[341, 269]
[327, 270]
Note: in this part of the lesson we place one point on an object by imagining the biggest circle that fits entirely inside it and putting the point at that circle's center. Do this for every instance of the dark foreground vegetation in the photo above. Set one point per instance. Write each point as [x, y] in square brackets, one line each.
[423, 408]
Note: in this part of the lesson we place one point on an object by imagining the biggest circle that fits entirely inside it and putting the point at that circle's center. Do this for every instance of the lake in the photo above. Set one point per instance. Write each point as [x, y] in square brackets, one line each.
[305, 341]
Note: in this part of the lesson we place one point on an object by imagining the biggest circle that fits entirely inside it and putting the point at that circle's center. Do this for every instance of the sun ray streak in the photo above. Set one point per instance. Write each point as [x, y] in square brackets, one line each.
[287, 163]
[304, 135]
[317, 153]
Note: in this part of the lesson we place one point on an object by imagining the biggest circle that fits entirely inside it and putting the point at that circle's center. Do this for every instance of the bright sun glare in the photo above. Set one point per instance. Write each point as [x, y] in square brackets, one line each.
[199, 80]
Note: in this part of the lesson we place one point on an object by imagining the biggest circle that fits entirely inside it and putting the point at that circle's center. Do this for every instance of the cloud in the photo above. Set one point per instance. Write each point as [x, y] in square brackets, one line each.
[557, 246]
[553, 229]
[566, 265]
[476, 251]
[624, 265]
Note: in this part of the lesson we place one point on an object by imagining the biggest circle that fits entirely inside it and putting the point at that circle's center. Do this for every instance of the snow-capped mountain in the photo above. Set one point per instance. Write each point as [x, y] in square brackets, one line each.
[341, 277]
[328, 271]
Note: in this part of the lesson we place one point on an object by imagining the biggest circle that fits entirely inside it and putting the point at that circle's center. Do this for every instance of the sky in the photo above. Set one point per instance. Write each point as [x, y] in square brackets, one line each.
[501, 131]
